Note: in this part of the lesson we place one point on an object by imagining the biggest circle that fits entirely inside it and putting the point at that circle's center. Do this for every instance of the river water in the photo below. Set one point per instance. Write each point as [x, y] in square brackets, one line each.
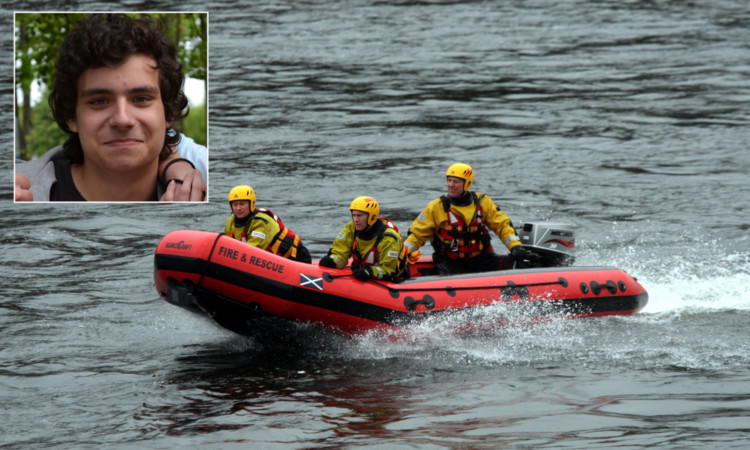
[629, 119]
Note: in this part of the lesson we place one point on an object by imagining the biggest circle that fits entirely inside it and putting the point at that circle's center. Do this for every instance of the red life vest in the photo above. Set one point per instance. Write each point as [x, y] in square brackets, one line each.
[243, 235]
[371, 257]
[459, 240]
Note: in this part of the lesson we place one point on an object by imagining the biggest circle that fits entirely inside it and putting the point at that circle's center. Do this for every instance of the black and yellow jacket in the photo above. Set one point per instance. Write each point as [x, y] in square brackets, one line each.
[380, 247]
[263, 229]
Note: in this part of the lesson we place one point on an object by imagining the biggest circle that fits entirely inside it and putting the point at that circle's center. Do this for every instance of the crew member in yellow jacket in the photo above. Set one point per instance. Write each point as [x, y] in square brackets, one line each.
[458, 224]
[261, 228]
[374, 244]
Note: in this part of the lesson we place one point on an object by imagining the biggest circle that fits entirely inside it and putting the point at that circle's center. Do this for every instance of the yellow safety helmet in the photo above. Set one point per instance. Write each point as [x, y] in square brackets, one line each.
[463, 171]
[243, 193]
[368, 205]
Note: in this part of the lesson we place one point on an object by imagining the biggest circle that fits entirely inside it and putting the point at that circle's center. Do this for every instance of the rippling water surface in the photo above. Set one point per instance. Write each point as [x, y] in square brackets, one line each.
[627, 119]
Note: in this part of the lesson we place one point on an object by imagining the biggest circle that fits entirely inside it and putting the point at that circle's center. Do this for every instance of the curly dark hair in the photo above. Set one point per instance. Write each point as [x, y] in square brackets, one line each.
[107, 40]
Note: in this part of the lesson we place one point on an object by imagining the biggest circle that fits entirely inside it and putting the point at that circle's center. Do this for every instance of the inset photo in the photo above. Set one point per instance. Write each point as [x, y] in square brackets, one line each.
[111, 107]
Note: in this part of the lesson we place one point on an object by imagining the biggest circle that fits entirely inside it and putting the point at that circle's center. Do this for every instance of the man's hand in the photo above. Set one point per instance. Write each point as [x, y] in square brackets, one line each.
[363, 273]
[521, 254]
[192, 188]
[22, 192]
[327, 261]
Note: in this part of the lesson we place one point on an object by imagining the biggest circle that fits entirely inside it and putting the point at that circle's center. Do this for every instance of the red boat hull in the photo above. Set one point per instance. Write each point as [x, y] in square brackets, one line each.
[237, 284]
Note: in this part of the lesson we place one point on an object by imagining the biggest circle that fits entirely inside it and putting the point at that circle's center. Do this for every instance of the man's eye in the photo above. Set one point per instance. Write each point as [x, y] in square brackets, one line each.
[143, 99]
[98, 101]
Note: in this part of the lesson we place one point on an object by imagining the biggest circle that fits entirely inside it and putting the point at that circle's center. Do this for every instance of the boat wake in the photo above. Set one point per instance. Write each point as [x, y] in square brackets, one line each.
[686, 287]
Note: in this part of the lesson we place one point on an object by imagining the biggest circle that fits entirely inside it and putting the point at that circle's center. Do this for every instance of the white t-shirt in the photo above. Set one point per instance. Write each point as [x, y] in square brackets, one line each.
[195, 153]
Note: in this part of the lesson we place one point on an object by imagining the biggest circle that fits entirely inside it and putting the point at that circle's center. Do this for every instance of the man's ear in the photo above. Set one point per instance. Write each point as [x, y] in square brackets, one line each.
[73, 125]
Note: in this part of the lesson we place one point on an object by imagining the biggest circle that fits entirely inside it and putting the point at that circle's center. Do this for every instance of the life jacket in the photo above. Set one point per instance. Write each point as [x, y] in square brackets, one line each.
[371, 257]
[285, 243]
[459, 240]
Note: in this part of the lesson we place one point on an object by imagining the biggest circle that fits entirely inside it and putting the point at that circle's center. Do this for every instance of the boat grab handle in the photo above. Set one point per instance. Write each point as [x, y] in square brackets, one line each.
[395, 292]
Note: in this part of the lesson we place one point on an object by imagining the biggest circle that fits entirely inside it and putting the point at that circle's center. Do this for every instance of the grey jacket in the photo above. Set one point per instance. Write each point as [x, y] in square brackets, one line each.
[41, 173]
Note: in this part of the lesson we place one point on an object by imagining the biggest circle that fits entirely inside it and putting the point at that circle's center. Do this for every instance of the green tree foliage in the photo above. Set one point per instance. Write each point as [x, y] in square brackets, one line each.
[194, 125]
[37, 40]
[45, 134]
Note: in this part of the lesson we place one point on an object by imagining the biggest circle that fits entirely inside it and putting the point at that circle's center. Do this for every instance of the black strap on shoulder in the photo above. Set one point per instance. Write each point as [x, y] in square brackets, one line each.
[446, 202]
[260, 216]
[253, 216]
[476, 205]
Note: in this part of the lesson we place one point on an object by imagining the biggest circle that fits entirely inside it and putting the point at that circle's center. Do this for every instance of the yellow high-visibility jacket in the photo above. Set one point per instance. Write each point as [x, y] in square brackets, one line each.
[436, 224]
[384, 251]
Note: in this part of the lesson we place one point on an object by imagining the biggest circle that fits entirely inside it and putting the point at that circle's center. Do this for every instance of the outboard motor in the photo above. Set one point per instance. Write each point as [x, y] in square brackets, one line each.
[553, 241]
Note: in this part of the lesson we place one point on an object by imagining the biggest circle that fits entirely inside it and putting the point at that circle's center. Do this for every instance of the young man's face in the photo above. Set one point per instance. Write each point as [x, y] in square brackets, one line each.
[120, 116]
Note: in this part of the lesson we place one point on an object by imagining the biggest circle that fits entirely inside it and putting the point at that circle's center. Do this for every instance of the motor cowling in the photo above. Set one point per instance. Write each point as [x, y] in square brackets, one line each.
[553, 241]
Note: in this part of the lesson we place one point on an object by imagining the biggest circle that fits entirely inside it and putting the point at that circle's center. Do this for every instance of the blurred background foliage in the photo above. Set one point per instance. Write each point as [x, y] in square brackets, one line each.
[37, 39]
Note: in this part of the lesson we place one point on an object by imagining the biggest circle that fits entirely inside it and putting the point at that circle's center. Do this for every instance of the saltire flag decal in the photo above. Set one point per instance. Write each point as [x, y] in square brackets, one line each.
[305, 280]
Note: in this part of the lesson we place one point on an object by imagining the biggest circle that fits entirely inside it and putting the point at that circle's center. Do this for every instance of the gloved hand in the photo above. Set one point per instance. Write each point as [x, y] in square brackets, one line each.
[363, 273]
[414, 256]
[327, 261]
[521, 254]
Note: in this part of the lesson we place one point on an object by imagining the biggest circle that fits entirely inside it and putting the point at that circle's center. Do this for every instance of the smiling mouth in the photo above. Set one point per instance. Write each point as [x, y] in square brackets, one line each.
[123, 142]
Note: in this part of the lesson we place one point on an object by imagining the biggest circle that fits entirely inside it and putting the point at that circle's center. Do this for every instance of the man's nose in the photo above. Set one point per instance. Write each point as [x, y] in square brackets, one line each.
[122, 115]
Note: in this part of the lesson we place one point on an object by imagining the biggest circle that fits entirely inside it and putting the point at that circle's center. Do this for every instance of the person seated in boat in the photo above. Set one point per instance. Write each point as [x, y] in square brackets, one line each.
[117, 92]
[458, 225]
[373, 242]
[262, 228]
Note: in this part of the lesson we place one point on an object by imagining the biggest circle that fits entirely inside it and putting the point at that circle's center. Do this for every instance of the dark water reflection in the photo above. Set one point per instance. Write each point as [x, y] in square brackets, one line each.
[336, 388]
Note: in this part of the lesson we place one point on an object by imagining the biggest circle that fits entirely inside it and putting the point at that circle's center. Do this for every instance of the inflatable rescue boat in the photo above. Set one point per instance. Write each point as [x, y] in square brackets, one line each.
[238, 285]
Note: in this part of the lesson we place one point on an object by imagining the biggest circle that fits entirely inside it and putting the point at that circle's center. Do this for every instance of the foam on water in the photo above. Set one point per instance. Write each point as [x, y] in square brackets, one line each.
[682, 293]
